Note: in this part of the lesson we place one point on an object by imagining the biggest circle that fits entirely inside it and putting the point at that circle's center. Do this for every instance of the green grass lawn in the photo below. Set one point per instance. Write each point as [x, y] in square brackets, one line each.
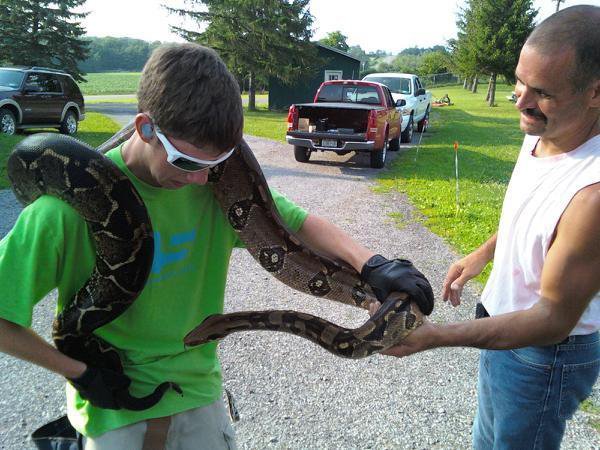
[265, 123]
[94, 130]
[488, 143]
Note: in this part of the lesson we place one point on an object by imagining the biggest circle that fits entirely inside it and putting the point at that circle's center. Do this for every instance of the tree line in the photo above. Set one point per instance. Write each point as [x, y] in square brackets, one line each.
[259, 39]
[111, 54]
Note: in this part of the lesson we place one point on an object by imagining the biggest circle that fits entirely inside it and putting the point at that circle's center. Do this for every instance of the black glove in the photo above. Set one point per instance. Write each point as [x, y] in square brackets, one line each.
[98, 386]
[398, 275]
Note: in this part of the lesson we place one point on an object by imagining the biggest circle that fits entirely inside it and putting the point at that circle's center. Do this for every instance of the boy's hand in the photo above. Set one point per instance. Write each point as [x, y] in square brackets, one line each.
[398, 275]
[98, 386]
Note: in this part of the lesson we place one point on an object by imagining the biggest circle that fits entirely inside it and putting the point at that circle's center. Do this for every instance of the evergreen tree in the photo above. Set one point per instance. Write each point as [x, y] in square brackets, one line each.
[42, 33]
[255, 38]
[337, 40]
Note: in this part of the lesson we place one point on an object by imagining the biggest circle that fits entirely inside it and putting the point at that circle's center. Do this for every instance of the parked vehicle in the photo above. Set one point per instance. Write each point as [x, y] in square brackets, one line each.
[38, 97]
[407, 87]
[346, 115]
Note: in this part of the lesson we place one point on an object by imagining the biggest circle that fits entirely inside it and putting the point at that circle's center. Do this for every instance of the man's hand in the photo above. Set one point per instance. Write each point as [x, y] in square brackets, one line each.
[459, 273]
[466, 268]
[98, 386]
[398, 275]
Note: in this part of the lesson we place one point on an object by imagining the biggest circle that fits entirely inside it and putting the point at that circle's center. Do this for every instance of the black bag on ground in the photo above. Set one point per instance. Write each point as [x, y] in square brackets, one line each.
[57, 435]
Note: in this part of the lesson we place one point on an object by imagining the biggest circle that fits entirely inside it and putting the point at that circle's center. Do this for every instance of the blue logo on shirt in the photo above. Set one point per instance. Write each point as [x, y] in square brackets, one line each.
[170, 254]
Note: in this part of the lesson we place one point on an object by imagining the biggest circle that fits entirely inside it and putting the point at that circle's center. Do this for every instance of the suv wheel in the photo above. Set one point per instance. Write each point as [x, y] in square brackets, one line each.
[8, 123]
[69, 123]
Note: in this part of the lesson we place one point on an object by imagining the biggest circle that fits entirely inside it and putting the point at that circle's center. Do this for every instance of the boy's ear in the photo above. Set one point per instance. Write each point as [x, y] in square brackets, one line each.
[144, 127]
[147, 130]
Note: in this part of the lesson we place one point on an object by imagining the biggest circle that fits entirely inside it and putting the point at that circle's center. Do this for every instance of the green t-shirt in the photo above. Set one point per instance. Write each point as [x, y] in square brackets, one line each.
[50, 246]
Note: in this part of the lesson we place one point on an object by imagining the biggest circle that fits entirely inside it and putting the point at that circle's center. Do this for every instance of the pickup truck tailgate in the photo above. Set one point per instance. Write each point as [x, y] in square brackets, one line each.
[349, 118]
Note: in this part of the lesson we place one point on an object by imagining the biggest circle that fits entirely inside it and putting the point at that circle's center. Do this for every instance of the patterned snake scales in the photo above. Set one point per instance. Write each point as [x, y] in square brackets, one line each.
[81, 176]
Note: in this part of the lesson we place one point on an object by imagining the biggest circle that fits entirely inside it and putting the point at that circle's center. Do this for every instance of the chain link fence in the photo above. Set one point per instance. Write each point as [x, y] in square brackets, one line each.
[449, 79]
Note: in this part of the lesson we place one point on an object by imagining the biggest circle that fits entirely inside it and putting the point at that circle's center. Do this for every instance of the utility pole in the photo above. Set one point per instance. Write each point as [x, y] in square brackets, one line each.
[558, 2]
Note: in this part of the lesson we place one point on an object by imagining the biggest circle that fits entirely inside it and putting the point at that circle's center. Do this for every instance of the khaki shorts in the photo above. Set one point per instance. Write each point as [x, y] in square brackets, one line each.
[206, 428]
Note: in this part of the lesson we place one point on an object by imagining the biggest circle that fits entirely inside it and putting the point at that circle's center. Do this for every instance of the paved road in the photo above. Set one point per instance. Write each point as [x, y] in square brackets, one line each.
[292, 394]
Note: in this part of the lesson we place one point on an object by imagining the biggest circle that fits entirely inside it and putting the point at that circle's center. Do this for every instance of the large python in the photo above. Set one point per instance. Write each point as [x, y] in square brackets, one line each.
[81, 176]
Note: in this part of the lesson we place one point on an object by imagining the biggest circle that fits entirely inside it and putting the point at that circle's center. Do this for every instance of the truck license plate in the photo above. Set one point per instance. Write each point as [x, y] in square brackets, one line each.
[329, 143]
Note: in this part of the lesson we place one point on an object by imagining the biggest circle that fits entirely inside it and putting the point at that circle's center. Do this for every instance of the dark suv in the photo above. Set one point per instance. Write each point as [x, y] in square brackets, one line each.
[37, 97]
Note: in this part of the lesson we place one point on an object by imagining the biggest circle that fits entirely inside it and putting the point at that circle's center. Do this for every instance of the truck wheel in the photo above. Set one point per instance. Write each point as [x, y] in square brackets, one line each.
[302, 154]
[423, 123]
[378, 156]
[406, 136]
[8, 123]
[395, 144]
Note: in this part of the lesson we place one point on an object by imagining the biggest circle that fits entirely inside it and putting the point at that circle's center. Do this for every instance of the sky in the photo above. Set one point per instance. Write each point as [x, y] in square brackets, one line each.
[389, 25]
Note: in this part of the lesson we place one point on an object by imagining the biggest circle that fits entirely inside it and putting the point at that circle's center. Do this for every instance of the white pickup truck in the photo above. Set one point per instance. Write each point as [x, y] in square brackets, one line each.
[408, 87]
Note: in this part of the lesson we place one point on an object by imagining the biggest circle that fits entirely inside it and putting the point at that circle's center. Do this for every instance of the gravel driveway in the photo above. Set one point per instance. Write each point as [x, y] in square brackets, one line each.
[291, 394]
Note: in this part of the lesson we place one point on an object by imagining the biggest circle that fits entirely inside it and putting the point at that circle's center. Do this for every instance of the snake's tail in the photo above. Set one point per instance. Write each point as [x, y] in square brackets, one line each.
[371, 337]
[127, 401]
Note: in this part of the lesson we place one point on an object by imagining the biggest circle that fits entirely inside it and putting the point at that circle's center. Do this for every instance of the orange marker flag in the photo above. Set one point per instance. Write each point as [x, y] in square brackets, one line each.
[455, 146]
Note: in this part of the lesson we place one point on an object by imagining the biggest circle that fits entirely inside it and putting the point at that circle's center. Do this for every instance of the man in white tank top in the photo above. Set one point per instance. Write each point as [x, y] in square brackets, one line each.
[540, 351]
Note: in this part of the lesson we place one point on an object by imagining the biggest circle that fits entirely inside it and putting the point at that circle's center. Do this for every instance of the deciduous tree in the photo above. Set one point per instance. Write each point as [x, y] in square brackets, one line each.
[337, 40]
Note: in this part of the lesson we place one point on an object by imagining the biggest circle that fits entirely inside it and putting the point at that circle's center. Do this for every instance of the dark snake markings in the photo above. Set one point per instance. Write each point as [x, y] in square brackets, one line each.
[88, 181]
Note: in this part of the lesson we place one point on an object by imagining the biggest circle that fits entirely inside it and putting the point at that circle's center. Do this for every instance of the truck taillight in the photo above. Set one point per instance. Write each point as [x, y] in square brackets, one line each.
[292, 118]
[372, 126]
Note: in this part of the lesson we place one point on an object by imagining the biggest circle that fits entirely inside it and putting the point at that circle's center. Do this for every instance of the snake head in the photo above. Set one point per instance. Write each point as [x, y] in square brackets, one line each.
[208, 330]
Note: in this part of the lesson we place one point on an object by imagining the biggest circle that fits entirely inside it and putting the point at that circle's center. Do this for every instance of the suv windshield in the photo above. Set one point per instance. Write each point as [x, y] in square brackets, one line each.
[396, 85]
[11, 78]
[349, 94]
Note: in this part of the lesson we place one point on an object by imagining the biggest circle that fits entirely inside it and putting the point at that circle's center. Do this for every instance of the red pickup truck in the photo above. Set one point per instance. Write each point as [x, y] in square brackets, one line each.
[347, 115]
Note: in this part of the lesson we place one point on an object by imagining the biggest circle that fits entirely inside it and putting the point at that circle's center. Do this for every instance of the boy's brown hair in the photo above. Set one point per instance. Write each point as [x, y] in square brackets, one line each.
[190, 95]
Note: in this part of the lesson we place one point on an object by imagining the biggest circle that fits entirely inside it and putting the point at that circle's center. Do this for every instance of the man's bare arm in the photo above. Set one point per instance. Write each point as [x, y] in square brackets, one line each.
[569, 281]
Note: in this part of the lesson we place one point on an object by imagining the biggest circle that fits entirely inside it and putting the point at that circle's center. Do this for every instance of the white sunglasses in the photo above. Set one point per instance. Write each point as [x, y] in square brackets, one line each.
[186, 162]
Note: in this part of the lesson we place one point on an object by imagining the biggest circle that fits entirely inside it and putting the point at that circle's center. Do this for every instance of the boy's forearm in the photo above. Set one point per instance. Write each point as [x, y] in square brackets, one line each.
[331, 241]
[25, 344]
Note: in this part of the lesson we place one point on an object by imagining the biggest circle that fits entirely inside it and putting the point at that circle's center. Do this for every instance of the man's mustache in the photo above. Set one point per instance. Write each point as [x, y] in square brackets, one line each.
[535, 113]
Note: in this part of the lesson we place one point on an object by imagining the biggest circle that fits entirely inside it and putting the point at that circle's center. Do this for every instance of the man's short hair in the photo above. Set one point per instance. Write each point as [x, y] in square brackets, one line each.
[191, 95]
[576, 27]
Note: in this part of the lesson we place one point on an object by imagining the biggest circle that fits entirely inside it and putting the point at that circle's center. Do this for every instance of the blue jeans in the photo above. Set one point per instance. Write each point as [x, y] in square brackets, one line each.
[526, 395]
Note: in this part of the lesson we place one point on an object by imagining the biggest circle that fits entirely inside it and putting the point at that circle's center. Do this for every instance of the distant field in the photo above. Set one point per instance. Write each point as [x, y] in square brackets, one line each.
[110, 83]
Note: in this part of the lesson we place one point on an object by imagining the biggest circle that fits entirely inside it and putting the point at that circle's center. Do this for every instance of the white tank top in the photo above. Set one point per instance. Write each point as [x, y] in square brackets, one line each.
[539, 191]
